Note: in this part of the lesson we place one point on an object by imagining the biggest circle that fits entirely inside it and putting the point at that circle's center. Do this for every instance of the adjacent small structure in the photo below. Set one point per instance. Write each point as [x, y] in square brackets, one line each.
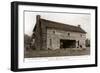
[54, 35]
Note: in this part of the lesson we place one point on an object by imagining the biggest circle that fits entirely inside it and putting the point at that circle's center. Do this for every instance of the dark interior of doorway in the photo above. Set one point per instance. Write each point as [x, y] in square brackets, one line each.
[67, 43]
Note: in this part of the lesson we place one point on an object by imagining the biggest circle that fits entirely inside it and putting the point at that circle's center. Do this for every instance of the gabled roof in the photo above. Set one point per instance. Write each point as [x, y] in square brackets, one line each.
[61, 26]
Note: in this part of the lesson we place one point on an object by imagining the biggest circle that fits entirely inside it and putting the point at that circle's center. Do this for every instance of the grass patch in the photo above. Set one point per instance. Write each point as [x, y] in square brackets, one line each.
[58, 52]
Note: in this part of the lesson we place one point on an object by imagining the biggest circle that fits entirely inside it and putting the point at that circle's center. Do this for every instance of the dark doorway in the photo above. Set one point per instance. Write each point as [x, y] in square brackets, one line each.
[67, 43]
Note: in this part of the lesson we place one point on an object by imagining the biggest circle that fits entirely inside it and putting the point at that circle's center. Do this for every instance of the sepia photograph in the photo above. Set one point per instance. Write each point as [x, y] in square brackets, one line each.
[52, 34]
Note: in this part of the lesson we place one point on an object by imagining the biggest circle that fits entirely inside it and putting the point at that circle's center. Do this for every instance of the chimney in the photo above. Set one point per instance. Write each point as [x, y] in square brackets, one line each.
[79, 26]
[38, 17]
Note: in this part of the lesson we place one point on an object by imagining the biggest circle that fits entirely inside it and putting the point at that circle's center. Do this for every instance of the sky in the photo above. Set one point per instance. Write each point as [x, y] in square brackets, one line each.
[84, 20]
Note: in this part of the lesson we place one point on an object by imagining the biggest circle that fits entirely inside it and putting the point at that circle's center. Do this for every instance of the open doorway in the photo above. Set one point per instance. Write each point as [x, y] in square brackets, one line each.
[64, 43]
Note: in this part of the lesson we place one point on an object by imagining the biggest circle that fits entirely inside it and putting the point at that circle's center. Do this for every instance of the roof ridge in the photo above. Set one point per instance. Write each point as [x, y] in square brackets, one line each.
[59, 23]
[62, 26]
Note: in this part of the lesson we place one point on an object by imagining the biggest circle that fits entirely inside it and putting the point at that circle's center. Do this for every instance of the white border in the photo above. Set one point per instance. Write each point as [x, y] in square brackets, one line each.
[53, 61]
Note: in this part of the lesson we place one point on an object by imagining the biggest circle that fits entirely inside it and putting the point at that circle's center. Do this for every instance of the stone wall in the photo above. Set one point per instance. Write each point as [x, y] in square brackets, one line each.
[40, 34]
[54, 36]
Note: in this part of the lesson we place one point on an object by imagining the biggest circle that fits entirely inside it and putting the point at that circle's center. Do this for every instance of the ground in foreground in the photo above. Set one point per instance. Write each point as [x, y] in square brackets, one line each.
[58, 52]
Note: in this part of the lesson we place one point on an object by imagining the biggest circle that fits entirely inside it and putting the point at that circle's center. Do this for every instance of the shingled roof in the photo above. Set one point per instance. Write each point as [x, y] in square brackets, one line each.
[61, 26]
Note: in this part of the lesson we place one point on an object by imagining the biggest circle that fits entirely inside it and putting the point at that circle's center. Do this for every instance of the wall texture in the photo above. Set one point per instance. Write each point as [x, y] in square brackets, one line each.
[55, 35]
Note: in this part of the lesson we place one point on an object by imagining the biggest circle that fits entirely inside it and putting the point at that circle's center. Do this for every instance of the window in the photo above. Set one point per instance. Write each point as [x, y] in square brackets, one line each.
[68, 34]
[50, 42]
[54, 32]
[81, 35]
